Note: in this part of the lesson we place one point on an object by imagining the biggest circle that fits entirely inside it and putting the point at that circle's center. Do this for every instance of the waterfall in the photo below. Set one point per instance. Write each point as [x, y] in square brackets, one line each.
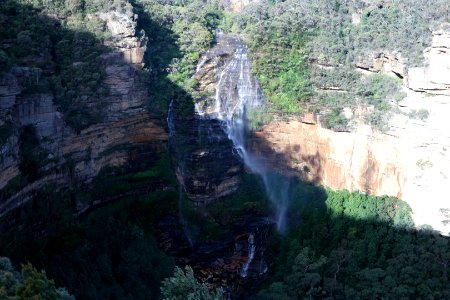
[170, 121]
[172, 136]
[251, 255]
[237, 91]
[184, 224]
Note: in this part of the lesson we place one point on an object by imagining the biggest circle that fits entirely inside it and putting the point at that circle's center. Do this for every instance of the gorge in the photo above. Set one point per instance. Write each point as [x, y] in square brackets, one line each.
[268, 149]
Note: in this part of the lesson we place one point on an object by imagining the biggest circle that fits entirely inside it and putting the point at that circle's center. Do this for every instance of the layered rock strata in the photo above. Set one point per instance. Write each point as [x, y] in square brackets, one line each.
[70, 156]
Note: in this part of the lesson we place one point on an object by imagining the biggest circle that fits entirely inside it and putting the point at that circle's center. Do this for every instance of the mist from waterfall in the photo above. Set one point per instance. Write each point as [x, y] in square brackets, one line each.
[236, 92]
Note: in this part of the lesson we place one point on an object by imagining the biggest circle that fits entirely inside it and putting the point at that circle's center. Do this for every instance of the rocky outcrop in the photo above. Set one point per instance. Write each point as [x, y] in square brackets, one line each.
[70, 156]
[126, 39]
[208, 166]
[387, 63]
[434, 77]
[207, 158]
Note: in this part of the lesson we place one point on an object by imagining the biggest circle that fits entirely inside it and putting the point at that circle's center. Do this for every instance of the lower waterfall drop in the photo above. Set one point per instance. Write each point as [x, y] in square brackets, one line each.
[251, 255]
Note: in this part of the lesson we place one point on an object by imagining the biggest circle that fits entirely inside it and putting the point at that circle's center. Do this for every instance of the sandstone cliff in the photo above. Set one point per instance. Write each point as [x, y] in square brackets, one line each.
[71, 156]
[410, 161]
[434, 76]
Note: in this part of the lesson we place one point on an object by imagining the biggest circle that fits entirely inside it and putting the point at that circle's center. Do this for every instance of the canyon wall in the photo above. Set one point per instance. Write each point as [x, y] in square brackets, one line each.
[410, 161]
[126, 131]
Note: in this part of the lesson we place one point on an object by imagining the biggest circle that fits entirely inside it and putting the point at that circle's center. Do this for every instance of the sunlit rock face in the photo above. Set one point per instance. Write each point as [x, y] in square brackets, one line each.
[127, 40]
[434, 76]
[410, 161]
[126, 130]
[387, 63]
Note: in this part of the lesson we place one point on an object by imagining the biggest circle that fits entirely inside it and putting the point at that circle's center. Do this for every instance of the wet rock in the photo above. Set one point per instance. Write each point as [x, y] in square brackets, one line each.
[219, 263]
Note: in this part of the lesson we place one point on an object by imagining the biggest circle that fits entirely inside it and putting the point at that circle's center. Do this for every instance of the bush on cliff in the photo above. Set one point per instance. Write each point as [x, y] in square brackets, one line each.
[183, 286]
[28, 284]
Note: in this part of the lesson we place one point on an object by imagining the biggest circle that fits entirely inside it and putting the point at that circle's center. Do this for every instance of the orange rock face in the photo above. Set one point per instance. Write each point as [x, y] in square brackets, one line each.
[340, 160]
[410, 161]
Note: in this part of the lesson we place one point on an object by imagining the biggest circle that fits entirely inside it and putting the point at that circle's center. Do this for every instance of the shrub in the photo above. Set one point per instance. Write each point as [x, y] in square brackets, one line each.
[335, 120]
[421, 114]
[258, 117]
[183, 285]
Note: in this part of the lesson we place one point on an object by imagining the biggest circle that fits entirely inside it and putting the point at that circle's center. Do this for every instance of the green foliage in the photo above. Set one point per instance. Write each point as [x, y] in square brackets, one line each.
[210, 223]
[112, 182]
[335, 120]
[378, 89]
[226, 22]
[305, 52]
[183, 285]
[109, 252]
[36, 285]
[65, 52]
[421, 114]
[371, 250]
[29, 284]
[258, 117]
[179, 33]
[283, 73]
[403, 26]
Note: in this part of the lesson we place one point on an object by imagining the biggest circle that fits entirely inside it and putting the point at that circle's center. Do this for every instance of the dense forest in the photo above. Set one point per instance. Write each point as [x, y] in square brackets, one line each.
[372, 251]
[305, 53]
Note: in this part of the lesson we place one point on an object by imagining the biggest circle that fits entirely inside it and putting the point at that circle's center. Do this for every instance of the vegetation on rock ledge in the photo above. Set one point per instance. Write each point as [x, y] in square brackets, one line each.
[305, 53]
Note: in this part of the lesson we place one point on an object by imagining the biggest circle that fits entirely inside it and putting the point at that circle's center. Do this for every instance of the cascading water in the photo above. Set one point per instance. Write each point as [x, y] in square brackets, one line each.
[172, 136]
[237, 91]
[251, 255]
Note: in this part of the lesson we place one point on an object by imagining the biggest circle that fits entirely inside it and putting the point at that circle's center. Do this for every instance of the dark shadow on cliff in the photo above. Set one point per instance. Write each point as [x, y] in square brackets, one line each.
[70, 67]
[288, 161]
[364, 240]
[96, 250]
